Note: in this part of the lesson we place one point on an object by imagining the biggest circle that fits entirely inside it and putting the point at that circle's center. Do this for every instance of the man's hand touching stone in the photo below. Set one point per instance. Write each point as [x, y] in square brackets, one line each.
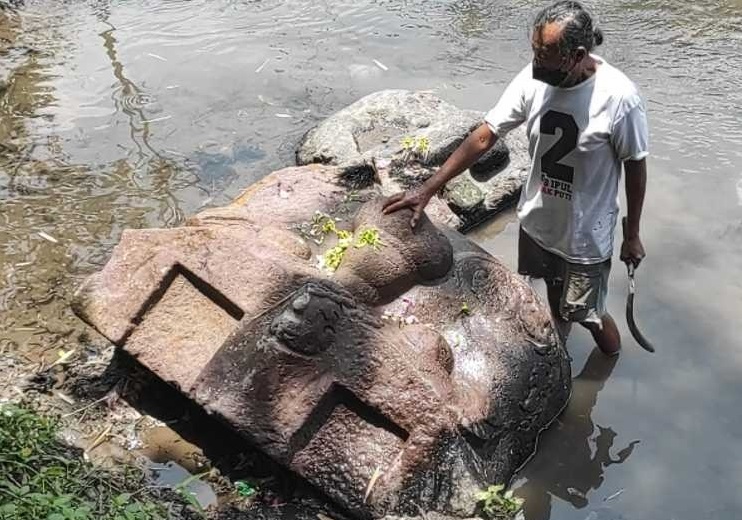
[415, 199]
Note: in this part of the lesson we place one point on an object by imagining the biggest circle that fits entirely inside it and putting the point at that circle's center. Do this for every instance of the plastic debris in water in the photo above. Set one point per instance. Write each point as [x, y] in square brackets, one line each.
[257, 71]
[262, 99]
[156, 56]
[381, 65]
[165, 118]
[283, 115]
[244, 489]
[174, 476]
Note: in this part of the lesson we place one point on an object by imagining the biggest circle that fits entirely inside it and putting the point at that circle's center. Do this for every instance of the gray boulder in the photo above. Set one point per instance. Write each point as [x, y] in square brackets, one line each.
[401, 137]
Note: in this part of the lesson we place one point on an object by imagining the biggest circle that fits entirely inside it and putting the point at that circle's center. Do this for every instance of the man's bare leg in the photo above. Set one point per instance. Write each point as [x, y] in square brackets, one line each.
[554, 295]
[607, 337]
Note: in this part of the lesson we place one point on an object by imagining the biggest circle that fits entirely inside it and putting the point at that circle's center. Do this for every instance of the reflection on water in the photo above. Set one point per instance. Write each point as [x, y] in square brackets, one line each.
[60, 217]
[574, 454]
[133, 114]
[172, 475]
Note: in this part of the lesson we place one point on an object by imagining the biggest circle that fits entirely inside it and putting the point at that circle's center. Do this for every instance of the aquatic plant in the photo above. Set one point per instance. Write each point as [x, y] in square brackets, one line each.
[498, 505]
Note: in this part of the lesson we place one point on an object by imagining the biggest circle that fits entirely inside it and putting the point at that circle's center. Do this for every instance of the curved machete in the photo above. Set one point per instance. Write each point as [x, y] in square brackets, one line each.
[638, 336]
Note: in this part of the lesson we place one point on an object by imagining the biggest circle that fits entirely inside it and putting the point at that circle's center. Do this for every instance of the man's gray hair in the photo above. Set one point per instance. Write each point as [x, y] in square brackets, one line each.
[579, 28]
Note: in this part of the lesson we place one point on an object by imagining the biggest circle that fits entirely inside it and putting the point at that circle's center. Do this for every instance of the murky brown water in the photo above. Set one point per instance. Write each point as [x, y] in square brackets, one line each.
[132, 114]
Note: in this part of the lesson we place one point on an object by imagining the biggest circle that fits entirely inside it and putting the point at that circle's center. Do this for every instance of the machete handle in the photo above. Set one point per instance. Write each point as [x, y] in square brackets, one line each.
[625, 227]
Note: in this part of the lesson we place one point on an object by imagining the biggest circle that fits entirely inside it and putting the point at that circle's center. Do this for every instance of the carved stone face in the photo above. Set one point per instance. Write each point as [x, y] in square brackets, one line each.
[308, 324]
[416, 373]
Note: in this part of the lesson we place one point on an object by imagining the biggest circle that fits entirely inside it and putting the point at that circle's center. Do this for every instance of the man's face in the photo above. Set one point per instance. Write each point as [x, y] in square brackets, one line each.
[549, 64]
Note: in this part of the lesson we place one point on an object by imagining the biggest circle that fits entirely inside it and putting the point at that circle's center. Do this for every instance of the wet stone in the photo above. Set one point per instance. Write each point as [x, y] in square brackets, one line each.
[411, 134]
[463, 195]
[367, 381]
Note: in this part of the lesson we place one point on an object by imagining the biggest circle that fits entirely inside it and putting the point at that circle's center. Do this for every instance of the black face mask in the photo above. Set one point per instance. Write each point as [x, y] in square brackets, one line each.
[551, 77]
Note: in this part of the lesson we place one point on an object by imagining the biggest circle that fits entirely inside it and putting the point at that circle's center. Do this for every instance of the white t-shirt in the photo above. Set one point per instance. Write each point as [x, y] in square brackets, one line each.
[578, 140]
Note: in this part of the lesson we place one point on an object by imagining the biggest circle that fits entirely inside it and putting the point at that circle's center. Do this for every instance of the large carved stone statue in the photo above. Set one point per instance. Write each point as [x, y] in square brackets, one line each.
[404, 372]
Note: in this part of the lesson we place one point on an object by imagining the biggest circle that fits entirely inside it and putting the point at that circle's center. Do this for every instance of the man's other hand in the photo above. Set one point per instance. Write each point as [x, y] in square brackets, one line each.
[415, 199]
[632, 251]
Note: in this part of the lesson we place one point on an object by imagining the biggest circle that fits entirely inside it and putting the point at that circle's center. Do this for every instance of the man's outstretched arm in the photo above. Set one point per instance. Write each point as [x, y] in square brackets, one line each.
[632, 249]
[468, 152]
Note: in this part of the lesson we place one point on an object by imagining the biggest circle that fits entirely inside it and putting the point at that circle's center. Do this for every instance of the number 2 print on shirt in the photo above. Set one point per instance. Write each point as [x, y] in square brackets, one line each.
[557, 178]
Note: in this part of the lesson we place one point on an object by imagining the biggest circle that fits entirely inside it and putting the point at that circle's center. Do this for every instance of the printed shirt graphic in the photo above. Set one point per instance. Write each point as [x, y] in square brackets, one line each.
[578, 140]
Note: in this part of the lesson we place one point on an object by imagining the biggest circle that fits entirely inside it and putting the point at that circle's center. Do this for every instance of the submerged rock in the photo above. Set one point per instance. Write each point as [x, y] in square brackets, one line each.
[409, 135]
[416, 373]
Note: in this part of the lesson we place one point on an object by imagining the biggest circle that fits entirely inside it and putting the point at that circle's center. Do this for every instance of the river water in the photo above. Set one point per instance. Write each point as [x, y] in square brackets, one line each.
[133, 114]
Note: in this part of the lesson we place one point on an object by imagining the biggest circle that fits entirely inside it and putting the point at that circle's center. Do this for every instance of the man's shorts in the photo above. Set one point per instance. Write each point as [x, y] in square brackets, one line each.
[584, 287]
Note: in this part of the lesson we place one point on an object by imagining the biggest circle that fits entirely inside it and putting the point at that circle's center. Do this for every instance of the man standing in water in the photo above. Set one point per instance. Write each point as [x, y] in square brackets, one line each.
[585, 119]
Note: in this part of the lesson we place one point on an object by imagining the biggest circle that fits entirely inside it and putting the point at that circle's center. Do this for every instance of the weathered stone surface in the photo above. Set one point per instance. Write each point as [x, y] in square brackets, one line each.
[401, 137]
[415, 374]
